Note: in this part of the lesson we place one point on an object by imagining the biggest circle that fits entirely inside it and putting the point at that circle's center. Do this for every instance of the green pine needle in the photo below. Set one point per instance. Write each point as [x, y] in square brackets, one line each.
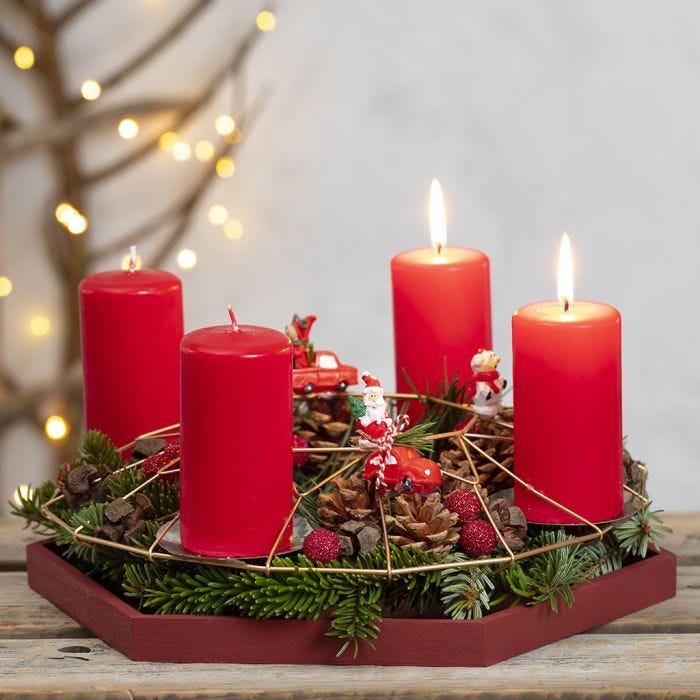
[466, 593]
[640, 531]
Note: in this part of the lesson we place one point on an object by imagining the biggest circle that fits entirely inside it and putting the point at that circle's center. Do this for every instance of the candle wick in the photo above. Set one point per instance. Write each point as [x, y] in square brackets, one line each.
[566, 305]
[438, 249]
[234, 323]
[132, 258]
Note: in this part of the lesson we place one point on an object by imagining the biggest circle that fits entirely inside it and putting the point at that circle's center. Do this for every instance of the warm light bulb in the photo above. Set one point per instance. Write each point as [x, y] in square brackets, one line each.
[56, 427]
[40, 325]
[186, 259]
[90, 90]
[233, 229]
[181, 151]
[128, 128]
[218, 214]
[204, 151]
[24, 57]
[225, 167]
[224, 124]
[234, 137]
[65, 212]
[168, 140]
[565, 278]
[265, 21]
[127, 259]
[438, 229]
[23, 492]
[5, 286]
[77, 224]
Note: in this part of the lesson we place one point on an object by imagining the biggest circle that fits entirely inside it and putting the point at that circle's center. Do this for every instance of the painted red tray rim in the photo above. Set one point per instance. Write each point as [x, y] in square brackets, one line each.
[204, 638]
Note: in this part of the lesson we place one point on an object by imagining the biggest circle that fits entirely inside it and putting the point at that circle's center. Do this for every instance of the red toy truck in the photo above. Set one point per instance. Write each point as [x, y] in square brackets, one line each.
[325, 374]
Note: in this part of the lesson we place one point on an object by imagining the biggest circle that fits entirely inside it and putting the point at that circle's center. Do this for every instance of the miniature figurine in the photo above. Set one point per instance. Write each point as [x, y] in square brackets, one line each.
[394, 467]
[315, 370]
[485, 387]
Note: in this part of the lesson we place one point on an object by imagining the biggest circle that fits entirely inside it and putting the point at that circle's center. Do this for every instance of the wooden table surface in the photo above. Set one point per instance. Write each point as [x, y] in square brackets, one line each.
[652, 653]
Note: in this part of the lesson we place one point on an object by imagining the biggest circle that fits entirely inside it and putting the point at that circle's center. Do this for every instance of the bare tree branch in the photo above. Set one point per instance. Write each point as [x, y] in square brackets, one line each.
[153, 49]
[53, 132]
[71, 12]
[231, 68]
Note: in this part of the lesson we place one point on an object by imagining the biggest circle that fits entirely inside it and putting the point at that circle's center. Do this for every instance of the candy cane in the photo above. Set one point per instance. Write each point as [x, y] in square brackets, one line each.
[386, 443]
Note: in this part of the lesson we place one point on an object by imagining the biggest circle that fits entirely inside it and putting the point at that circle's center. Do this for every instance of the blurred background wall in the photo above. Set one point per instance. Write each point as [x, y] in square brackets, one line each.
[537, 117]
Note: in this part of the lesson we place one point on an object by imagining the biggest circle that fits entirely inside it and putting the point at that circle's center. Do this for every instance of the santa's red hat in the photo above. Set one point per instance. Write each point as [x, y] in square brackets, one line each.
[372, 384]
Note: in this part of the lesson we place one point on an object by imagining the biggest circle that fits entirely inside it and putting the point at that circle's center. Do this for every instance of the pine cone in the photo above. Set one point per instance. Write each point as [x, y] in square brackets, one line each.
[84, 484]
[511, 522]
[348, 499]
[322, 422]
[635, 476]
[491, 477]
[422, 522]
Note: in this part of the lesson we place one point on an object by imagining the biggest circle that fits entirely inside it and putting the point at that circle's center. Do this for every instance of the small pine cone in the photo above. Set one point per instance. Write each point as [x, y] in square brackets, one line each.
[635, 474]
[125, 521]
[491, 478]
[511, 522]
[348, 499]
[422, 522]
[322, 422]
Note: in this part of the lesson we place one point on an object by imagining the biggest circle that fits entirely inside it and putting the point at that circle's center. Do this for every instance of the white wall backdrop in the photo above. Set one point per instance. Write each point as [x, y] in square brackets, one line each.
[538, 117]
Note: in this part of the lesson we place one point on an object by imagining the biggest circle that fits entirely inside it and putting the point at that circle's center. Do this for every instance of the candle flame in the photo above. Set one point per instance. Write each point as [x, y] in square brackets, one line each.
[565, 281]
[132, 258]
[438, 230]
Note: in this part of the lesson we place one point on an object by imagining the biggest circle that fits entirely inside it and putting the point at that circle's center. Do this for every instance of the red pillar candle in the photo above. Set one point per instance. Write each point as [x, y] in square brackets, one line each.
[236, 433]
[131, 327]
[442, 307]
[567, 384]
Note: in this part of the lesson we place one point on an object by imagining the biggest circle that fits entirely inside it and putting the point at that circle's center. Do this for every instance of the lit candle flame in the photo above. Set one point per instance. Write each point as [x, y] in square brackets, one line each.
[565, 280]
[438, 230]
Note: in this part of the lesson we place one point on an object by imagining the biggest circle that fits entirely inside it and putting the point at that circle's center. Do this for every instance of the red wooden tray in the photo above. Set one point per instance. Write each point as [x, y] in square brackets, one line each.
[402, 641]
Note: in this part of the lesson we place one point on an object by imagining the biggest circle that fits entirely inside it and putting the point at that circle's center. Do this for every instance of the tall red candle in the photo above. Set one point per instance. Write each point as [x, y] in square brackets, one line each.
[236, 432]
[442, 308]
[130, 327]
[567, 384]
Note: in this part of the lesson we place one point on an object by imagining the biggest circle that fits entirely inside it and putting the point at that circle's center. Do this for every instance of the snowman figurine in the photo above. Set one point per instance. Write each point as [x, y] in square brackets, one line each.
[485, 387]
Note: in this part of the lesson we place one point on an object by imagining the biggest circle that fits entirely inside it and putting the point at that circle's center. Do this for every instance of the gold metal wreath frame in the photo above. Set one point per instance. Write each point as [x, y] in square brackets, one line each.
[466, 440]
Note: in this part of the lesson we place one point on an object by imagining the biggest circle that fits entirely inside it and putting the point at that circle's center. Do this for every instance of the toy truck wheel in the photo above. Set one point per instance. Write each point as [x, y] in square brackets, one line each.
[342, 385]
[308, 388]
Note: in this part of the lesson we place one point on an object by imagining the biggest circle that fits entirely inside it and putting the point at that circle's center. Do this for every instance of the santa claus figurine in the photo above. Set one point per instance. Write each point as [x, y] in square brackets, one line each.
[399, 468]
[485, 387]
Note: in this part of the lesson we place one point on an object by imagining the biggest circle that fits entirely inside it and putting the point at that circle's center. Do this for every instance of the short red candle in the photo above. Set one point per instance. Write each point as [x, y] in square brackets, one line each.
[442, 314]
[236, 433]
[567, 385]
[131, 327]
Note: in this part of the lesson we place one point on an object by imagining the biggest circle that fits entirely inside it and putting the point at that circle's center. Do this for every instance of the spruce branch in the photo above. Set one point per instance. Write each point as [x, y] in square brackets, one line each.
[551, 575]
[29, 508]
[642, 530]
[466, 593]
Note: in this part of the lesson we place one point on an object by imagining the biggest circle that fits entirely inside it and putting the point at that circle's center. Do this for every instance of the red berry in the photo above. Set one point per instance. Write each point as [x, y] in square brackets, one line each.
[478, 537]
[465, 503]
[322, 546]
[300, 458]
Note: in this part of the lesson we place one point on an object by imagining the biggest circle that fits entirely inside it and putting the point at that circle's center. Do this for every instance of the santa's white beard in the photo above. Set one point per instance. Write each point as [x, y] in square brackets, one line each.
[376, 413]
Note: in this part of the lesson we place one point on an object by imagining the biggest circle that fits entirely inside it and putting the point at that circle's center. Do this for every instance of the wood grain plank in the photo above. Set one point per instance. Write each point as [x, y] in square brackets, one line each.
[26, 615]
[13, 540]
[591, 666]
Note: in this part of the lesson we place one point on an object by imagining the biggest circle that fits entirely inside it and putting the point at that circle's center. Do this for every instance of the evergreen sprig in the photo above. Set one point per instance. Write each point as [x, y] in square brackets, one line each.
[643, 529]
[553, 574]
[467, 592]
[29, 508]
[97, 448]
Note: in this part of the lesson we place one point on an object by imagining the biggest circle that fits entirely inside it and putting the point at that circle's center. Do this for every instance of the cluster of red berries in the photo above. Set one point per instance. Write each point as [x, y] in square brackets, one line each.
[156, 462]
[477, 537]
